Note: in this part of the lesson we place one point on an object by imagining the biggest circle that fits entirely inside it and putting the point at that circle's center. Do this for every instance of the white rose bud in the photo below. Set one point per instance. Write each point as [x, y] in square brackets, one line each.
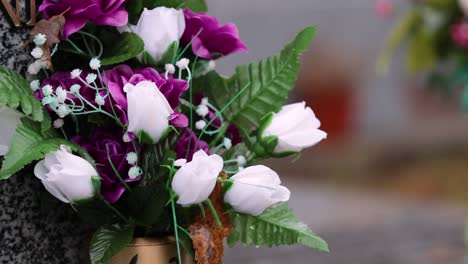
[66, 176]
[195, 180]
[148, 109]
[159, 28]
[296, 128]
[256, 189]
[9, 119]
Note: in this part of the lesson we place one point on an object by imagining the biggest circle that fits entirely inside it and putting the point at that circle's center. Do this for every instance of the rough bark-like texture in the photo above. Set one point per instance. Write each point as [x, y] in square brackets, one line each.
[31, 230]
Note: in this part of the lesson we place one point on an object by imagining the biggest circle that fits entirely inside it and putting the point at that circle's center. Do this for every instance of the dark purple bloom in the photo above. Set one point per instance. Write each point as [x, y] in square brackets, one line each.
[213, 40]
[171, 88]
[102, 145]
[188, 144]
[78, 12]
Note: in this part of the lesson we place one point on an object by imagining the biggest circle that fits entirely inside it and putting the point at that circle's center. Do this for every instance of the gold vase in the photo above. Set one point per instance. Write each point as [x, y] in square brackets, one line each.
[148, 251]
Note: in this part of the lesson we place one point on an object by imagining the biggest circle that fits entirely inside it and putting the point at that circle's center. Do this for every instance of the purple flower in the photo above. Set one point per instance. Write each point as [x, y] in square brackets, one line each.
[213, 40]
[171, 88]
[102, 145]
[187, 145]
[79, 12]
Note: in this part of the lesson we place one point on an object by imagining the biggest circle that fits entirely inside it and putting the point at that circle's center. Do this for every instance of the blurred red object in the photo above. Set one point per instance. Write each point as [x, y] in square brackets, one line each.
[384, 8]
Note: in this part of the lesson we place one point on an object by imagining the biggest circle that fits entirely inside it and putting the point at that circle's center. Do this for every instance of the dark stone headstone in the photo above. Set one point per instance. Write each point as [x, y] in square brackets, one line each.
[34, 227]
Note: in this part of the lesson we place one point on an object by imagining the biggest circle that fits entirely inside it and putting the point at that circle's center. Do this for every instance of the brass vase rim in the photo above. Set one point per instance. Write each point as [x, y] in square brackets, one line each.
[146, 241]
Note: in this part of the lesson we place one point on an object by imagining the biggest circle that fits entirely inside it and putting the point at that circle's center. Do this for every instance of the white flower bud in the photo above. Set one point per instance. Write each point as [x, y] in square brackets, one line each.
[99, 100]
[47, 90]
[183, 63]
[195, 180]
[58, 123]
[90, 78]
[134, 172]
[204, 101]
[296, 128]
[241, 160]
[95, 64]
[256, 189]
[66, 176]
[132, 158]
[227, 142]
[37, 53]
[75, 73]
[200, 124]
[169, 68]
[34, 68]
[126, 138]
[202, 110]
[40, 39]
[148, 109]
[35, 85]
[62, 111]
[75, 89]
[61, 94]
[169, 24]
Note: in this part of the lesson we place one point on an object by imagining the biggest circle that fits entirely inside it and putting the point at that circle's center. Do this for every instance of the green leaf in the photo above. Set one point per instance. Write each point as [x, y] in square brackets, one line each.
[197, 5]
[108, 241]
[194, 5]
[155, 156]
[270, 82]
[95, 212]
[30, 144]
[402, 30]
[421, 52]
[146, 203]
[15, 91]
[128, 46]
[276, 226]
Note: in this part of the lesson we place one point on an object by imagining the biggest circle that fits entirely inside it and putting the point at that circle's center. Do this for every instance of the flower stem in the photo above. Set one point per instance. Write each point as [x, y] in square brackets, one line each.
[115, 170]
[213, 212]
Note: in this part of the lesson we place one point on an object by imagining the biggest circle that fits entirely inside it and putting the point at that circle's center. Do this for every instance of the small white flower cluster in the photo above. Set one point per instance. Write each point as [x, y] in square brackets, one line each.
[55, 99]
[202, 111]
[135, 171]
[37, 53]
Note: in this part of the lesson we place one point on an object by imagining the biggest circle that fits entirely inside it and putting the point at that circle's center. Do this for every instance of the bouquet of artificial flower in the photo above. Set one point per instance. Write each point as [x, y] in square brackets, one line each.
[436, 32]
[126, 120]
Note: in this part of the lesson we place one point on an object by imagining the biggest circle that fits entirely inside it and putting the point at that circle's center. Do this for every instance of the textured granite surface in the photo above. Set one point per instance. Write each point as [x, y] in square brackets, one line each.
[31, 230]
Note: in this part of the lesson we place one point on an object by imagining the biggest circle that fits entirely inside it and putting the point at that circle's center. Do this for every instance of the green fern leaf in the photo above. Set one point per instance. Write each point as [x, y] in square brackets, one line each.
[16, 92]
[29, 144]
[270, 82]
[276, 226]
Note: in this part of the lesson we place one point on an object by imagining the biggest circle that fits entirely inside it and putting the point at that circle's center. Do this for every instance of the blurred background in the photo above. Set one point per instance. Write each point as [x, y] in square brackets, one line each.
[390, 183]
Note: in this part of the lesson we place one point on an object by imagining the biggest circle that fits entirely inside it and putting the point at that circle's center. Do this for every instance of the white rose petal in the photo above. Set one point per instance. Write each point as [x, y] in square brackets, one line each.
[66, 176]
[148, 109]
[159, 28]
[296, 128]
[256, 189]
[195, 180]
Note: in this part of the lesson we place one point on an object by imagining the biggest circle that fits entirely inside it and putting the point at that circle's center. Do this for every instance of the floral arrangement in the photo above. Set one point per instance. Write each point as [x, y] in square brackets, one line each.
[436, 33]
[124, 117]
